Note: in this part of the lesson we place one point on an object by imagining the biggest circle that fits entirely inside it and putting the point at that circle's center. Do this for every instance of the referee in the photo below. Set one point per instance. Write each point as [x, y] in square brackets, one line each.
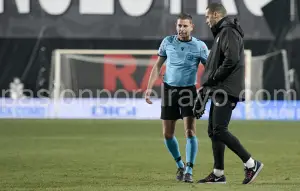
[182, 53]
[223, 80]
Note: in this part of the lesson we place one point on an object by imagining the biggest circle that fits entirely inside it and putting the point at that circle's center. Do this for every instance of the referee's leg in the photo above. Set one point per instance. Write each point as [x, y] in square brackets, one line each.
[170, 113]
[186, 103]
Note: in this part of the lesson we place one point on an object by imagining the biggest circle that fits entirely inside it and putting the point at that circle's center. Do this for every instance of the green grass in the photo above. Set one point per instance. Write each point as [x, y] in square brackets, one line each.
[130, 155]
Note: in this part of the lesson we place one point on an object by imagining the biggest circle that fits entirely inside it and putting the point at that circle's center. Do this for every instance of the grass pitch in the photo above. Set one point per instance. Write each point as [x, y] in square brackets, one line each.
[130, 155]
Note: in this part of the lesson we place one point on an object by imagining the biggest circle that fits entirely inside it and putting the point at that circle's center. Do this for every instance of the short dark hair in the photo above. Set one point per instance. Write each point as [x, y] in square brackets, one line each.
[185, 16]
[217, 7]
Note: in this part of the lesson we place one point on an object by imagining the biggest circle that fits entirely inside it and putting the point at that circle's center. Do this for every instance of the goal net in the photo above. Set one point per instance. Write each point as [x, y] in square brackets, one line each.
[111, 73]
[269, 77]
[125, 73]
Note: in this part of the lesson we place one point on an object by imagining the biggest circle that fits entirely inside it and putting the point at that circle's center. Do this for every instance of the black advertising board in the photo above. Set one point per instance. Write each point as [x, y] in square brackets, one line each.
[119, 19]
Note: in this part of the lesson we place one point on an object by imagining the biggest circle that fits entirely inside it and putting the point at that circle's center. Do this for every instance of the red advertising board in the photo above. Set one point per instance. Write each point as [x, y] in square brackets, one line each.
[132, 76]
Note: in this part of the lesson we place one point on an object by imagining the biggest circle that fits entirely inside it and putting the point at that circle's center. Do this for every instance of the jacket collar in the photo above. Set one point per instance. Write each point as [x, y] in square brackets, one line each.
[217, 27]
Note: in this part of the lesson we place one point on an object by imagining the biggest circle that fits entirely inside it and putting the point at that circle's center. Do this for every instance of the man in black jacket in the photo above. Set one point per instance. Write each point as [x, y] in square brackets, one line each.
[223, 82]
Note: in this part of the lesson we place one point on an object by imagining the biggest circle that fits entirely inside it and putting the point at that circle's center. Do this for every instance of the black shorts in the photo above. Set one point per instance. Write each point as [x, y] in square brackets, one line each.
[177, 102]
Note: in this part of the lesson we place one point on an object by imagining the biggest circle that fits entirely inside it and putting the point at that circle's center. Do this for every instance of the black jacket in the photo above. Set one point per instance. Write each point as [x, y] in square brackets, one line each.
[225, 66]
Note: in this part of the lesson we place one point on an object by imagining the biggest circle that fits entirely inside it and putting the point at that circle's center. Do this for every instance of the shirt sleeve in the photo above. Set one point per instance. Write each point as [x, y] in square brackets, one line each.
[203, 53]
[162, 48]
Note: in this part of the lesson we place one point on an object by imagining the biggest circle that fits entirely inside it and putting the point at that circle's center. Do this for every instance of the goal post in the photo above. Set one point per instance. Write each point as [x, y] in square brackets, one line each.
[248, 74]
[248, 60]
[63, 62]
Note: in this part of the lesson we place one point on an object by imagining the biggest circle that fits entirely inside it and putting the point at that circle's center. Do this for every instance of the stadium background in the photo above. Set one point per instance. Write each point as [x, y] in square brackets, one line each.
[32, 31]
[117, 154]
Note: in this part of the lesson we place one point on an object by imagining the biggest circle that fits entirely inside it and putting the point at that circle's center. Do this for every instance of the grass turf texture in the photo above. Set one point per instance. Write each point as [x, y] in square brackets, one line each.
[130, 155]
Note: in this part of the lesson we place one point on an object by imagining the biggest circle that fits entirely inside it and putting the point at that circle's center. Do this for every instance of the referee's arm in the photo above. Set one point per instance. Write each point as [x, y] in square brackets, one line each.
[153, 77]
[230, 45]
[156, 71]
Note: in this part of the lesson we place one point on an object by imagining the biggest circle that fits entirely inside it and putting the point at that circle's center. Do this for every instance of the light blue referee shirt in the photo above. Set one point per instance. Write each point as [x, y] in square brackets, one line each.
[183, 58]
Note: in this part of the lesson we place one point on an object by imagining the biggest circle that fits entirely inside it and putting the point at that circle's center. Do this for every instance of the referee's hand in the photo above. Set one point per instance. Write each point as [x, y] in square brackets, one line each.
[147, 96]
